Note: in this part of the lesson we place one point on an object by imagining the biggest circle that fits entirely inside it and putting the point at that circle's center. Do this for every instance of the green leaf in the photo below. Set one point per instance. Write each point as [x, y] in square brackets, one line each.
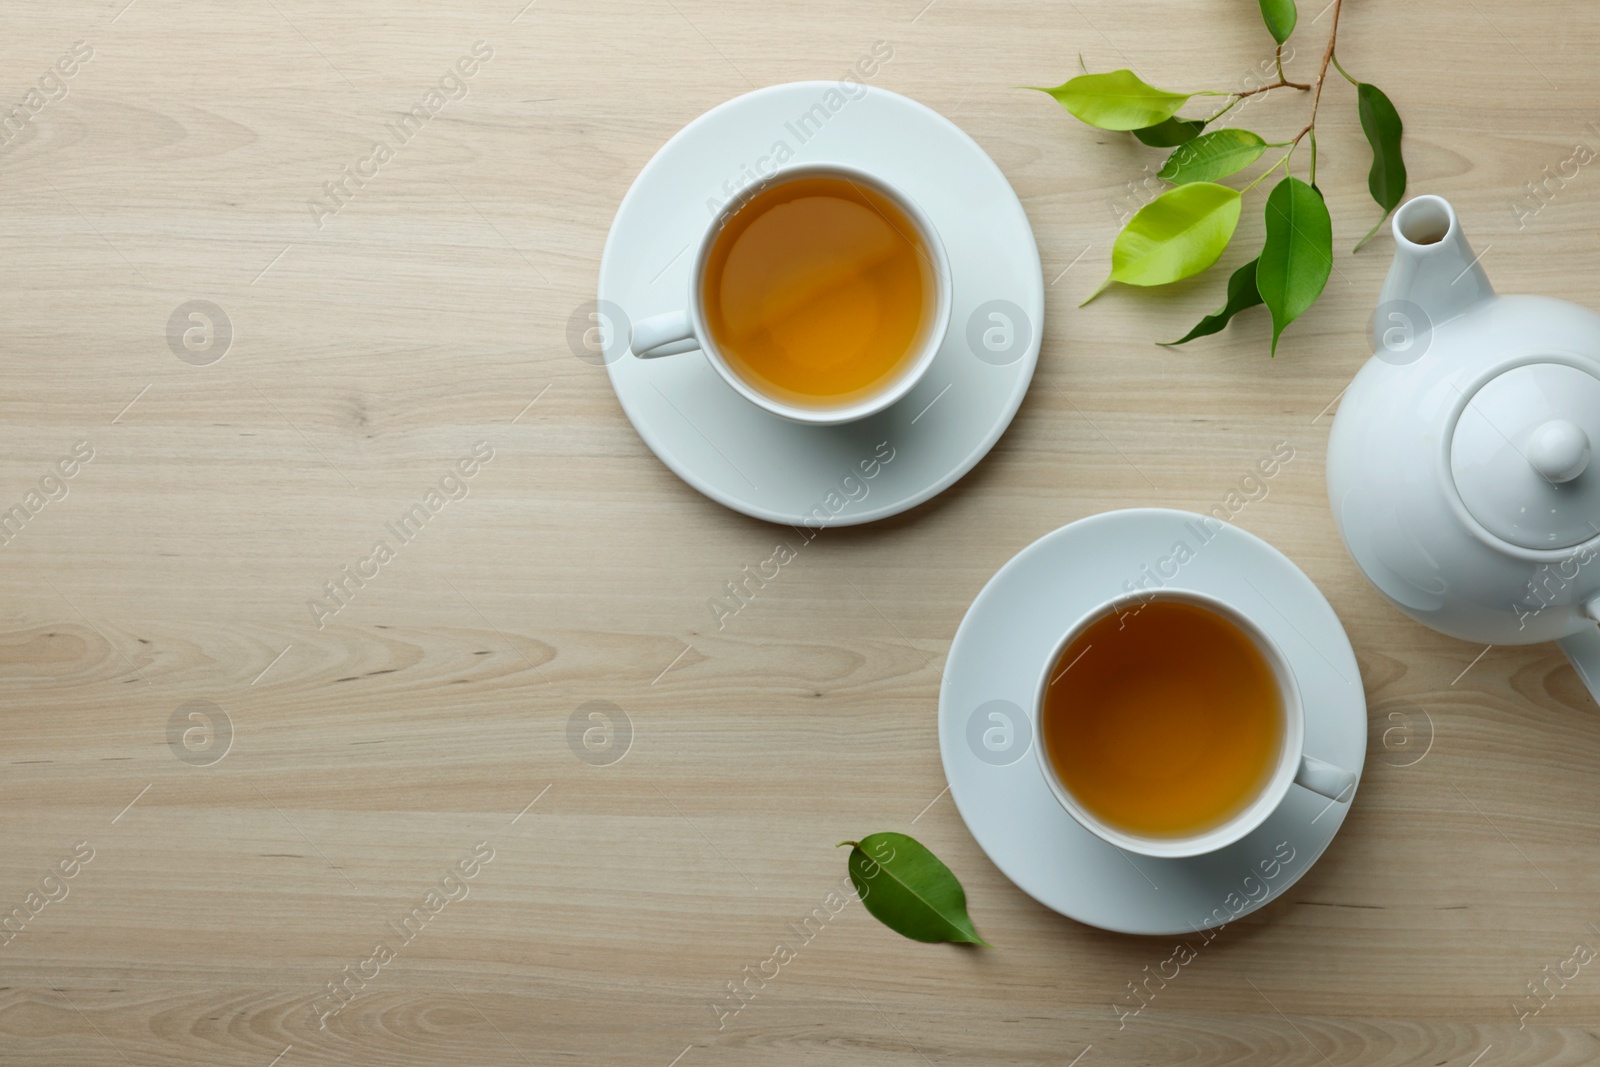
[1212, 156]
[1179, 233]
[1280, 17]
[1116, 101]
[1381, 123]
[1242, 293]
[1169, 134]
[907, 889]
[1298, 254]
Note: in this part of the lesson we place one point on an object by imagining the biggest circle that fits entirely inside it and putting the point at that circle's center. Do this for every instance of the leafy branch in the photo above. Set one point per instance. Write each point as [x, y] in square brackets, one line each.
[1185, 230]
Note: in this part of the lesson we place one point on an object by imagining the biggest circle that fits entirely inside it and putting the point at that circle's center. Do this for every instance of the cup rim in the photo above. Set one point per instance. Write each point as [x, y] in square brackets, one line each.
[1267, 800]
[943, 288]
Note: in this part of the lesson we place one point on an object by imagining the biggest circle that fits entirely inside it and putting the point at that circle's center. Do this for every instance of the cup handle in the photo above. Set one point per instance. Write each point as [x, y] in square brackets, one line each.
[663, 335]
[1335, 783]
[1583, 649]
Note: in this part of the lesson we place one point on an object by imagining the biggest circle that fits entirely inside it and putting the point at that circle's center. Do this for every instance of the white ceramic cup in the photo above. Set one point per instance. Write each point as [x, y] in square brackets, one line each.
[1293, 767]
[685, 330]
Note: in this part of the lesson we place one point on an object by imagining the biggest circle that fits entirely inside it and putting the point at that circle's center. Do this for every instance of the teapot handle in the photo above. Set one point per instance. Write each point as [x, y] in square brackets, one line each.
[1583, 649]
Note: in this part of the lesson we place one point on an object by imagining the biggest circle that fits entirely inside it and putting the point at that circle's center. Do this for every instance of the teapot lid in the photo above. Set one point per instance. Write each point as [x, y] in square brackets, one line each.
[1521, 452]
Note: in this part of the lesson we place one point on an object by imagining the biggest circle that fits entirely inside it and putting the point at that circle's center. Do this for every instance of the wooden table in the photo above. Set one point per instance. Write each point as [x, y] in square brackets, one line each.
[248, 850]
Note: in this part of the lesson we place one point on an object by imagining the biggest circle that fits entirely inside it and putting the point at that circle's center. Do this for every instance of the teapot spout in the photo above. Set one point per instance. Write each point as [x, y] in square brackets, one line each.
[1434, 269]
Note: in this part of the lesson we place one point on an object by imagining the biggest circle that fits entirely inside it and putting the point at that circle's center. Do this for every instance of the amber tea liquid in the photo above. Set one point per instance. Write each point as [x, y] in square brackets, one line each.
[819, 292]
[1163, 720]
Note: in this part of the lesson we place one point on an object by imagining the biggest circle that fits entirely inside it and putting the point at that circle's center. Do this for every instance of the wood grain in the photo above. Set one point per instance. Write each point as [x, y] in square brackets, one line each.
[368, 757]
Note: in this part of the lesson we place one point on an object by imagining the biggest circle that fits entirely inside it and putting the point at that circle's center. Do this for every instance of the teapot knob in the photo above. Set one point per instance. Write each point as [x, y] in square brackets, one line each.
[1559, 450]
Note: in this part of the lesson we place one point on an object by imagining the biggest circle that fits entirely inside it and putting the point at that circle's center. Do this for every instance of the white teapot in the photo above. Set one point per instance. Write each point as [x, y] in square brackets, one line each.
[1460, 466]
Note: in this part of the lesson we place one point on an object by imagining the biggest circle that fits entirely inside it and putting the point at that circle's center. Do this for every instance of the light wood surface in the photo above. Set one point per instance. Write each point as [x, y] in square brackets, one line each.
[371, 757]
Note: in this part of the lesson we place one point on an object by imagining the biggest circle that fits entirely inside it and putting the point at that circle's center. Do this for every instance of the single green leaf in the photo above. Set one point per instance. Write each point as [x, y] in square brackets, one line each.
[1211, 156]
[1242, 293]
[1179, 233]
[909, 890]
[1169, 134]
[1381, 123]
[1298, 254]
[1280, 17]
[1116, 101]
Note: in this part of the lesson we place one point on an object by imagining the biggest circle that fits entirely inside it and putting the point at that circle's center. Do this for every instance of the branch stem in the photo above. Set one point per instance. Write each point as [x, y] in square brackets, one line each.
[1281, 83]
[1310, 128]
[1262, 176]
[1346, 73]
[1327, 57]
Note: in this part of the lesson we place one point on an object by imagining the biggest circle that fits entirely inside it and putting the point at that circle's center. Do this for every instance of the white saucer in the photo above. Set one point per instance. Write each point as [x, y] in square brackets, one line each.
[995, 661]
[758, 463]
